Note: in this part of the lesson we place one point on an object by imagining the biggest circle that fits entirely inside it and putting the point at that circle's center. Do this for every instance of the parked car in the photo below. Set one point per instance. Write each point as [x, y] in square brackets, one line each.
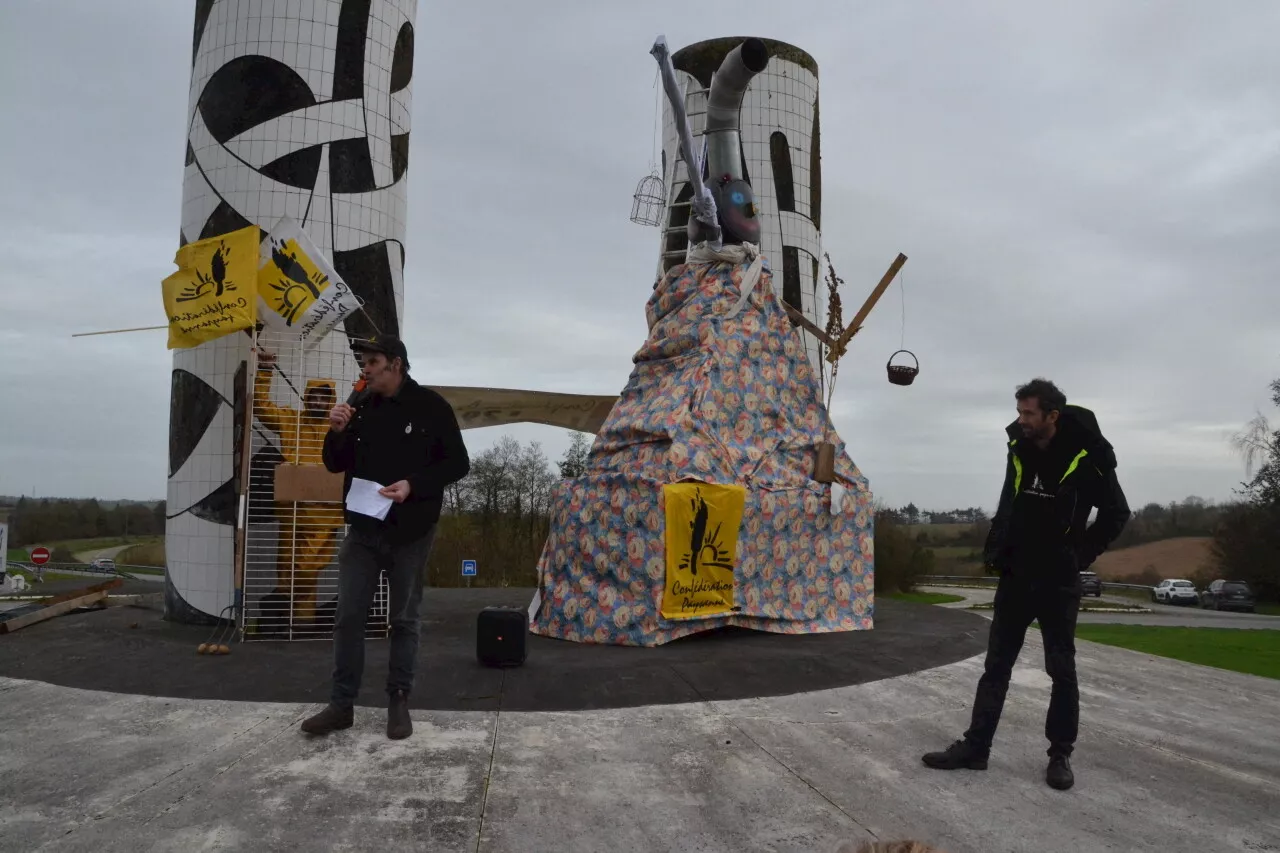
[1228, 595]
[1171, 591]
[1091, 584]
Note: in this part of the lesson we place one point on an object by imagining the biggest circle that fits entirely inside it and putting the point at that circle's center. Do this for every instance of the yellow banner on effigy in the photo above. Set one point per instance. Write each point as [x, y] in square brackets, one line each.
[703, 521]
[215, 290]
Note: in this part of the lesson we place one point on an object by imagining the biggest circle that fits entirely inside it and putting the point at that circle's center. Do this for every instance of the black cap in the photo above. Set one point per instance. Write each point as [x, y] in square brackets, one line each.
[389, 345]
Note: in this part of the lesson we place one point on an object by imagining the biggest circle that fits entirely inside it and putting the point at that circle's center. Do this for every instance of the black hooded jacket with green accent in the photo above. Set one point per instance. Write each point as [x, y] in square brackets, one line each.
[1041, 526]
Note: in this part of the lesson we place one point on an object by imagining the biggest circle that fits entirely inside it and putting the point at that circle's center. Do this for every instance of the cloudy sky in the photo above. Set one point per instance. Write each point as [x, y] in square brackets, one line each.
[1085, 191]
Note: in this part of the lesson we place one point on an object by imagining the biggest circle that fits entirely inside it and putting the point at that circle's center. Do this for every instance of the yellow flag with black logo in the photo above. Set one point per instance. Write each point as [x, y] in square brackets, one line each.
[302, 294]
[703, 521]
[215, 290]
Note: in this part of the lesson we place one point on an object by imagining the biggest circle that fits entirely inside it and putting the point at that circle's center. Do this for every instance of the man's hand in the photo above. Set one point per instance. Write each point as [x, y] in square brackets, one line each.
[398, 492]
[340, 416]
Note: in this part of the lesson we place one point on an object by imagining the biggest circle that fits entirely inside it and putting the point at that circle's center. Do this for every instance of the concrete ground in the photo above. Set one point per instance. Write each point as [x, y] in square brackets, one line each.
[1172, 757]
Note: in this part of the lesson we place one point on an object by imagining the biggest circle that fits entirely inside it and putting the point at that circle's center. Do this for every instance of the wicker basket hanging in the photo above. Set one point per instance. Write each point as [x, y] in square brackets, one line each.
[901, 374]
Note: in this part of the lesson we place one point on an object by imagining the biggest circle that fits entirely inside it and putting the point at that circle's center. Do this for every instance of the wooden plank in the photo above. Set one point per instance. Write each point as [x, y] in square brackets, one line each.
[807, 324]
[76, 593]
[854, 326]
[53, 610]
[246, 452]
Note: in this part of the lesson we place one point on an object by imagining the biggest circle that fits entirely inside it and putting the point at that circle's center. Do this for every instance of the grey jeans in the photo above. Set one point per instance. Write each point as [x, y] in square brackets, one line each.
[363, 558]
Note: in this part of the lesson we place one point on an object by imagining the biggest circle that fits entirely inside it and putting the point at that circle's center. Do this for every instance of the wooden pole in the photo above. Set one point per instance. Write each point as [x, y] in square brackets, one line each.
[807, 324]
[853, 327]
[118, 331]
[20, 622]
[242, 499]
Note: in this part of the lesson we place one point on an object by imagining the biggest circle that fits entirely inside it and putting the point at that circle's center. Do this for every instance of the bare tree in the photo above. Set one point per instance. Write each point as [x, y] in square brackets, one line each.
[574, 461]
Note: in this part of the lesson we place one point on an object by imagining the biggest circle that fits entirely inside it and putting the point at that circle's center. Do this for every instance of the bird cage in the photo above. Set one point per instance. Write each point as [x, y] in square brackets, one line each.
[649, 200]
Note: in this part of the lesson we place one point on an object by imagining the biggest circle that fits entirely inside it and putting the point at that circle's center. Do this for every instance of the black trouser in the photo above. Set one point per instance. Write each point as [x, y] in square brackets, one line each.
[362, 559]
[1055, 606]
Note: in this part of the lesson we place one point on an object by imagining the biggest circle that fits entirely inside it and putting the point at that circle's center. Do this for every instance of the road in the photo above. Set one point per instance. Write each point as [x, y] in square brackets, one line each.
[102, 554]
[142, 576]
[1162, 614]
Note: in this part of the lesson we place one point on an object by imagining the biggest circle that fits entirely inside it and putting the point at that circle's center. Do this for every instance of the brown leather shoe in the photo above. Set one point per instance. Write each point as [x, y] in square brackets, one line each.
[399, 726]
[331, 719]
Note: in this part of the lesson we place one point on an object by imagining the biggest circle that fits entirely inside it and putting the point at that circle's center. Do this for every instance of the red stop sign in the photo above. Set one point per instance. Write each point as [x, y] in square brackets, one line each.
[40, 556]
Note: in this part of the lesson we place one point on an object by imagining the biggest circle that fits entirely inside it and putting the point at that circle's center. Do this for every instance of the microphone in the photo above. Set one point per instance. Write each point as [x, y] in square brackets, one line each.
[359, 393]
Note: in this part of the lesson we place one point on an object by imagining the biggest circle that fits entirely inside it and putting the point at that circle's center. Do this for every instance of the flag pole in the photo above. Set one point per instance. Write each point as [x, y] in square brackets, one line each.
[118, 331]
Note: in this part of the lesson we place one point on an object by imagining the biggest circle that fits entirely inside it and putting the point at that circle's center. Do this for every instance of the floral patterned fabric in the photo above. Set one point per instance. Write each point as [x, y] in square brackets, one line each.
[718, 400]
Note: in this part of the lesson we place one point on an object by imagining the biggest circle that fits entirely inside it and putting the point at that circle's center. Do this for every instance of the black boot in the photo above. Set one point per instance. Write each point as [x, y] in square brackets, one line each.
[1059, 774]
[331, 719]
[961, 755]
[399, 726]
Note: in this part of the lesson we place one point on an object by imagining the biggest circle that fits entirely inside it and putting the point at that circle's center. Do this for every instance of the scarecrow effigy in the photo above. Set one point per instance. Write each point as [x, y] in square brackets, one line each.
[717, 491]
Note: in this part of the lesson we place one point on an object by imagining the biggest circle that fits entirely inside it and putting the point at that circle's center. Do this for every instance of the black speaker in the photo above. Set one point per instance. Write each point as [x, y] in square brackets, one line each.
[500, 634]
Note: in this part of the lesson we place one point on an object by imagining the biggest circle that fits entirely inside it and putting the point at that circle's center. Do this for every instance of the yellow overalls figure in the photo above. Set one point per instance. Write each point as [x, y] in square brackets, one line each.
[308, 530]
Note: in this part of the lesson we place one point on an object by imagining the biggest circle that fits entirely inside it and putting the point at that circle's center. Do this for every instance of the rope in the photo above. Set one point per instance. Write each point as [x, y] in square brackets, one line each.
[902, 291]
[657, 123]
[732, 254]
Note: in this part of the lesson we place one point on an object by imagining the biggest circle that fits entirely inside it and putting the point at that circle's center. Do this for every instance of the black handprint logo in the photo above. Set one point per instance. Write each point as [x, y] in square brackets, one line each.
[215, 281]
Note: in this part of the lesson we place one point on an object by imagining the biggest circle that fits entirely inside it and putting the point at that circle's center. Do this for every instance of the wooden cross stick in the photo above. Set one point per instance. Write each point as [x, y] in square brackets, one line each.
[853, 328]
[807, 324]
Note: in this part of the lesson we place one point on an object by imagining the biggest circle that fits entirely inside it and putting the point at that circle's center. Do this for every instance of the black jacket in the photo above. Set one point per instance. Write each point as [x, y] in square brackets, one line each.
[412, 436]
[1041, 525]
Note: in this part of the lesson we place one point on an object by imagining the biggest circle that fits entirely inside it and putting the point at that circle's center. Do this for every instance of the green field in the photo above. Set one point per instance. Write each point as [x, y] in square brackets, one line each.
[1255, 652]
[144, 544]
[936, 531]
[49, 577]
[924, 597]
[966, 553]
[150, 553]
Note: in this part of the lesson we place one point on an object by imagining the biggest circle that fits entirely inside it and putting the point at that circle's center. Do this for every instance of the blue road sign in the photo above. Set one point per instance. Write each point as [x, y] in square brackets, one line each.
[468, 568]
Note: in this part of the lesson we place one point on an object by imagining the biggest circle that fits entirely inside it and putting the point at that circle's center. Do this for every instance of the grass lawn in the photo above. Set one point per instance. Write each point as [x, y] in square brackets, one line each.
[937, 531]
[924, 597]
[146, 553]
[954, 552]
[1137, 594]
[1255, 652]
[32, 586]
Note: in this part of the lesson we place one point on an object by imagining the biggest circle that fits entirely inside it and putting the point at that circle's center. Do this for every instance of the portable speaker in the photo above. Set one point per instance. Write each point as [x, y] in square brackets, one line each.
[500, 633]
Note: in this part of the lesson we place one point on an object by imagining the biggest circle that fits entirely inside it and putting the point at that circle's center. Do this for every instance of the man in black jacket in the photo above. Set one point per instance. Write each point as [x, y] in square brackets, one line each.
[405, 438]
[1059, 467]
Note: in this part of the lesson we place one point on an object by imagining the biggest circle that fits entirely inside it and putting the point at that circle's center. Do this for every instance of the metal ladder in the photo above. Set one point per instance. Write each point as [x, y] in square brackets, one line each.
[676, 256]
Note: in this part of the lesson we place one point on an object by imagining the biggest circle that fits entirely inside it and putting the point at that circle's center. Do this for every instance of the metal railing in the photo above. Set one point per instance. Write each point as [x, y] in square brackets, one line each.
[992, 580]
[128, 572]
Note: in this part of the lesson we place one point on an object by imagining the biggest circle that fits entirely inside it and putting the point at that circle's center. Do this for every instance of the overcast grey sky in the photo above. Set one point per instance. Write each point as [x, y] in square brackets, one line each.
[1086, 191]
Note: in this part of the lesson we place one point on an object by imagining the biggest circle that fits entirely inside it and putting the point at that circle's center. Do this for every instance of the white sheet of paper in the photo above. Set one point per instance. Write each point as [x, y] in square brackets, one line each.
[363, 498]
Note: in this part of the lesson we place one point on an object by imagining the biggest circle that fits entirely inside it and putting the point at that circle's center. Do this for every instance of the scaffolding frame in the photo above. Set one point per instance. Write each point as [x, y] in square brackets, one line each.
[290, 523]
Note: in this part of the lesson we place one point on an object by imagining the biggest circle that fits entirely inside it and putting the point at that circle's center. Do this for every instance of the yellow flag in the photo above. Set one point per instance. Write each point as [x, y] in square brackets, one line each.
[295, 275]
[214, 291]
[703, 521]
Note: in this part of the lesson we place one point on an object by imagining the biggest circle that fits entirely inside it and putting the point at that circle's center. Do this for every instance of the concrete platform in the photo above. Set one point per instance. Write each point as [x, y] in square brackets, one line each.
[1172, 757]
[104, 651]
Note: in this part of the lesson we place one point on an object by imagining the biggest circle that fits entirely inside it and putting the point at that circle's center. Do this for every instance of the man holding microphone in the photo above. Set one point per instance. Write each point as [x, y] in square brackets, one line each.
[404, 438]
